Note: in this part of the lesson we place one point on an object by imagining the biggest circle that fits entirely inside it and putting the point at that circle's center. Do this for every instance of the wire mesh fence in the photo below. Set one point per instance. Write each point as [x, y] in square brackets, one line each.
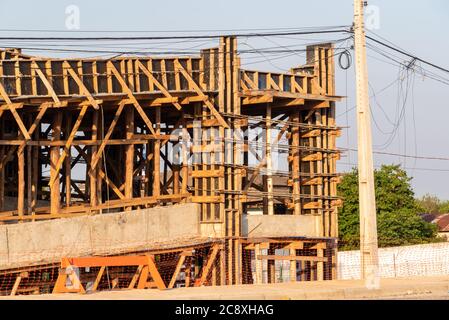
[406, 261]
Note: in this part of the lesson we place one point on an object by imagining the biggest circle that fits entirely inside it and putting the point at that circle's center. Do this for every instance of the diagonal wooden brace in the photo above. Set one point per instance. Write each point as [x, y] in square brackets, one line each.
[157, 84]
[81, 85]
[47, 84]
[68, 143]
[180, 68]
[133, 99]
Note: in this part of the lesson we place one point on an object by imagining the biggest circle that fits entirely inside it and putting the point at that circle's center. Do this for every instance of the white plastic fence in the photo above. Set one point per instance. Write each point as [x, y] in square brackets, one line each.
[420, 260]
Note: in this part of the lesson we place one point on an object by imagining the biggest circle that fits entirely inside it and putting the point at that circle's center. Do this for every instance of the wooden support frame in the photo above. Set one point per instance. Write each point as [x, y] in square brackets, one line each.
[208, 266]
[145, 264]
[169, 93]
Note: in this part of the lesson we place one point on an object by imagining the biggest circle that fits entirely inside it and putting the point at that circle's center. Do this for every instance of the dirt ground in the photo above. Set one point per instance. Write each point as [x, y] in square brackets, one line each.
[429, 288]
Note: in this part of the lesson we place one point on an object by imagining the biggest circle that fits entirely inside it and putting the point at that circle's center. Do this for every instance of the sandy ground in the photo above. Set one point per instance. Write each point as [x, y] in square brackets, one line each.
[435, 288]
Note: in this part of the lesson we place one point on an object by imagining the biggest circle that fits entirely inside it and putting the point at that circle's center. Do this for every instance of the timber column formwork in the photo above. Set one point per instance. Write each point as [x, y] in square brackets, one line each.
[253, 148]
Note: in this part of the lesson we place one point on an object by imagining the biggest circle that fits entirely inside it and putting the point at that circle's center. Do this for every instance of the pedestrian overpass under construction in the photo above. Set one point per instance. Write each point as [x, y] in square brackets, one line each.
[244, 161]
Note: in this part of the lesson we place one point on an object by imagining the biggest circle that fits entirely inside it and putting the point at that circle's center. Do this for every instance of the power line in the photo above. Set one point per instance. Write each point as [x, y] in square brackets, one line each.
[406, 168]
[401, 155]
[204, 36]
[407, 54]
[172, 31]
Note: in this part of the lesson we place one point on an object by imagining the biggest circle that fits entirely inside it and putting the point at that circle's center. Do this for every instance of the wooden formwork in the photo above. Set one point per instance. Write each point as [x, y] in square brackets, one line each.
[91, 136]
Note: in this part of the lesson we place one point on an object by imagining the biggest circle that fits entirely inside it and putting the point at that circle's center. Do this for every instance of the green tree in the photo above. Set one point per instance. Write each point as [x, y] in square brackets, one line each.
[432, 204]
[398, 222]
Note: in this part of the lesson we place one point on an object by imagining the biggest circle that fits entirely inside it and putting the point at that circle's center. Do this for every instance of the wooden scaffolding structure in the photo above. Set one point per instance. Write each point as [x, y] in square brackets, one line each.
[91, 136]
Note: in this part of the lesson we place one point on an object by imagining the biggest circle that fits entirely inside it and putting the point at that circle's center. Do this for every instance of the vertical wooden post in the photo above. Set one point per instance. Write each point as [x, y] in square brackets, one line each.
[55, 193]
[320, 265]
[68, 166]
[36, 170]
[129, 156]
[175, 172]
[258, 264]
[21, 183]
[296, 163]
[319, 171]
[293, 266]
[185, 159]
[269, 164]
[29, 167]
[93, 171]
[157, 156]
[188, 271]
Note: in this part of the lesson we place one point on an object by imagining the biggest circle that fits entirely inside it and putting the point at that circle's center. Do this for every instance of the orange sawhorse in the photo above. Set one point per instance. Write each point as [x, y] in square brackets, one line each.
[145, 266]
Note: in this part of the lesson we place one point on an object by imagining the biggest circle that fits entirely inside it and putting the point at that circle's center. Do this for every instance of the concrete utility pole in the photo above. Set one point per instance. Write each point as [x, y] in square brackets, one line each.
[367, 201]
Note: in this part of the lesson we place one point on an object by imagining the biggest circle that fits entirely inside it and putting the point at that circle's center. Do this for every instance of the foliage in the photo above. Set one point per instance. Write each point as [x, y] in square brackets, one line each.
[398, 222]
[432, 204]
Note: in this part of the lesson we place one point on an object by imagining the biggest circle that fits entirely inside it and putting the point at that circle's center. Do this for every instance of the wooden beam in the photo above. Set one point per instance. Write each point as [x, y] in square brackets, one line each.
[129, 155]
[155, 273]
[157, 156]
[54, 158]
[198, 90]
[131, 96]
[157, 84]
[177, 270]
[207, 268]
[19, 122]
[79, 82]
[111, 128]
[290, 258]
[98, 278]
[47, 84]
[23, 143]
[21, 183]
[16, 285]
[69, 141]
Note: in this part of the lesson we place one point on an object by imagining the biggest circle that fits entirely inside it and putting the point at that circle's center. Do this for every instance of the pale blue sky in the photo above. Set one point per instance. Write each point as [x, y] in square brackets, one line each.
[420, 27]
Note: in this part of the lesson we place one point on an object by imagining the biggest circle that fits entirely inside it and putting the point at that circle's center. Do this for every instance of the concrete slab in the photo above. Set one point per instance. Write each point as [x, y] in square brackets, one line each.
[48, 241]
[280, 226]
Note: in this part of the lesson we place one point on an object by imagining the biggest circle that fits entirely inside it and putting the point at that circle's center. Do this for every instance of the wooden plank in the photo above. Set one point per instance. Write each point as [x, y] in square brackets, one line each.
[290, 258]
[69, 141]
[157, 156]
[16, 285]
[155, 273]
[312, 205]
[207, 268]
[135, 277]
[197, 89]
[207, 173]
[129, 155]
[206, 199]
[98, 278]
[177, 270]
[143, 278]
[19, 122]
[79, 82]
[54, 158]
[131, 97]
[47, 84]
[20, 183]
[157, 84]
[106, 138]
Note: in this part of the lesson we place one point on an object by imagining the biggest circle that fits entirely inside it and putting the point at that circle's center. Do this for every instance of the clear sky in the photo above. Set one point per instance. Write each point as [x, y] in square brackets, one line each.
[419, 27]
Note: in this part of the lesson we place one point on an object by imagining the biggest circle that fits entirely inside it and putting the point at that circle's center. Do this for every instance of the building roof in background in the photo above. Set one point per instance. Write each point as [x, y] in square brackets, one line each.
[442, 222]
[428, 217]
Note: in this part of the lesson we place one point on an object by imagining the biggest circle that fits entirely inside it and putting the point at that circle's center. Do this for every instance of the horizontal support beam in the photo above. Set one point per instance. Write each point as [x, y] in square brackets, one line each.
[292, 258]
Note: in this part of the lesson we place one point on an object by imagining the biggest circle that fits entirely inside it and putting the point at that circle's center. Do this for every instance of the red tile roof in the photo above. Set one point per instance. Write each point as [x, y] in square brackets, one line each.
[442, 222]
